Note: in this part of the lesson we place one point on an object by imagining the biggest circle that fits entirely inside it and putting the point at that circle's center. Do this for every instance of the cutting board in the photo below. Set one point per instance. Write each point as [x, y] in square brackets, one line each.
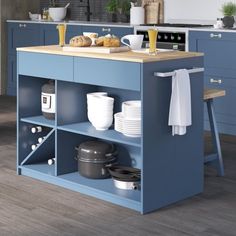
[94, 49]
[154, 11]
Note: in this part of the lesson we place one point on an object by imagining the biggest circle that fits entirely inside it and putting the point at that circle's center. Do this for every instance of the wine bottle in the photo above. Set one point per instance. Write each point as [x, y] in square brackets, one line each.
[40, 140]
[51, 161]
[37, 129]
[34, 146]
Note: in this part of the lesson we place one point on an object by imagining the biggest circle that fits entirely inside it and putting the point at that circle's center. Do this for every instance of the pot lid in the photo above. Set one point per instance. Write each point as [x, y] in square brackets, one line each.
[95, 151]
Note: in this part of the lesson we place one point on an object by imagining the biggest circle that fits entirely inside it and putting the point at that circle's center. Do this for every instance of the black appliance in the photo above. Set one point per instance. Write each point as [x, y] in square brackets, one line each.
[170, 36]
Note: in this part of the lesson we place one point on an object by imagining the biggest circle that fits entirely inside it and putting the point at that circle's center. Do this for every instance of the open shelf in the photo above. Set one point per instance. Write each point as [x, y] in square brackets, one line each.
[85, 128]
[43, 168]
[103, 189]
[39, 120]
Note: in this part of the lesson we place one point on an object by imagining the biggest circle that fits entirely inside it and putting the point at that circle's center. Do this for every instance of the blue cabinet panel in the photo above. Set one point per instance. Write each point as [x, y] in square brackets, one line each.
[224, 105]
[220, 72]
[46, 66]
[11, 76]
[49, 33]
[118, 74]
[22, 35]
[103, 30]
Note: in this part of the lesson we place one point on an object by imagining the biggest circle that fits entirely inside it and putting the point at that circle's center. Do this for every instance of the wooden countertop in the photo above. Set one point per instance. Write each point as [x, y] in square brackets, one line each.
[124, 56]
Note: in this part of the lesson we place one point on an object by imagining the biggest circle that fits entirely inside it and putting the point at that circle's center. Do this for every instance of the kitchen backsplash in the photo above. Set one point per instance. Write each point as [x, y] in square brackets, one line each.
[77, 9]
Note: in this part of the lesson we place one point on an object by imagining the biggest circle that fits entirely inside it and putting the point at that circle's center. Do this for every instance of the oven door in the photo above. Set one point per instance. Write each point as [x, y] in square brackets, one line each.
[166, 40]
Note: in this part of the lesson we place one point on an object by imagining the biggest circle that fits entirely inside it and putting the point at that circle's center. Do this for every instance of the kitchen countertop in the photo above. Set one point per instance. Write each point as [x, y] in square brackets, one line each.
[119, 24]
[123, 56]
[72, 22]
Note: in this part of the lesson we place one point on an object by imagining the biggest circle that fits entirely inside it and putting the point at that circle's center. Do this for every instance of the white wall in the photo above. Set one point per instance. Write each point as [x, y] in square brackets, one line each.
[193, 10]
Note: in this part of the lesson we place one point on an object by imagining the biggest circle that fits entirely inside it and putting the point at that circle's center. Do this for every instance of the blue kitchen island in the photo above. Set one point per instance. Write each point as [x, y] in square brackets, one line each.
[171, 166]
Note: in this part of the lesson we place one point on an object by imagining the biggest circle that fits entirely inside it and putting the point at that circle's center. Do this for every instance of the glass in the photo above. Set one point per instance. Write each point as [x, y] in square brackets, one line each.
[152, 34]
[62, 34]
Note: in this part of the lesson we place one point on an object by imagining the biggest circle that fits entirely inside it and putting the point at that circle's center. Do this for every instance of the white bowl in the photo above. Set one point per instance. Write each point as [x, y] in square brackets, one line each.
[118, 126]
[103, 123]
[132, 109]
[89, 95]
[57, 13]
[34, 16]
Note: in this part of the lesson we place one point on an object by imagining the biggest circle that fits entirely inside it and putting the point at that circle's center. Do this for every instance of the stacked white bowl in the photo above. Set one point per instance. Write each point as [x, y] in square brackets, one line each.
[128, 121]
[100, 110]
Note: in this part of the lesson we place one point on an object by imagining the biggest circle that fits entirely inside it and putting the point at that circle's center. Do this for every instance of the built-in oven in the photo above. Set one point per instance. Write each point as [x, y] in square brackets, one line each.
[170, 35]
[175, 39]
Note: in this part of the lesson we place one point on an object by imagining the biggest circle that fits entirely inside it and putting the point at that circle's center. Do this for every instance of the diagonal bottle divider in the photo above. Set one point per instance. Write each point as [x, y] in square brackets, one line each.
[42, 150]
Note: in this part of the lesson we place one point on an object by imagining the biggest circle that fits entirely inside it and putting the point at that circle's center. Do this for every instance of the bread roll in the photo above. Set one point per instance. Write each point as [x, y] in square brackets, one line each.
[111, 42]
[80, 41]
[100, 41]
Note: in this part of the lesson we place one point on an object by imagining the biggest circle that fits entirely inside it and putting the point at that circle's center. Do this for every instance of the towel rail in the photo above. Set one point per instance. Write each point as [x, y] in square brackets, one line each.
[168, 74]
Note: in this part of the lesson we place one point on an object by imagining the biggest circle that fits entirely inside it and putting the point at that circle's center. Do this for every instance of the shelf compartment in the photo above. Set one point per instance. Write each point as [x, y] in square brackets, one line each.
[39, 120]
[42, 152]
[102, 189]
[42, 168]
[85, 128]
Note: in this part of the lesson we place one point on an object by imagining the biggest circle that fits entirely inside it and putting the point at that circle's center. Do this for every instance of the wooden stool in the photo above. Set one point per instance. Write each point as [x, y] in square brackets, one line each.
[214, 159]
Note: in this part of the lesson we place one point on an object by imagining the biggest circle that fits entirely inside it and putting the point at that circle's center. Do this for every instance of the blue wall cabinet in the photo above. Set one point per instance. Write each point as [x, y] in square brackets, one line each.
[103, 30]
[220, 72]
[168, 174]
[19, 35]
[22, 35]
[49, 33]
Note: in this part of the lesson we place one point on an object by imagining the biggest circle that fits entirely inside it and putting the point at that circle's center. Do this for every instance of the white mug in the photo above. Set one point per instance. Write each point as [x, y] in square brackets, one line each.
[135, 41]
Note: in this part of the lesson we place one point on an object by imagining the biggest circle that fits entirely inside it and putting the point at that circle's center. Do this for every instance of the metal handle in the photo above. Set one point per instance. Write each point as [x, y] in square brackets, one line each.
[22, 25]
[217, 81]
[219, 36]
[106, 29]
[169, 74]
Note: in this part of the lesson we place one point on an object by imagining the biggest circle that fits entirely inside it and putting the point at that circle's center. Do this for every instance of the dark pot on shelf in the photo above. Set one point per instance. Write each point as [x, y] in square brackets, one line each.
[94, 158]
[228, 21]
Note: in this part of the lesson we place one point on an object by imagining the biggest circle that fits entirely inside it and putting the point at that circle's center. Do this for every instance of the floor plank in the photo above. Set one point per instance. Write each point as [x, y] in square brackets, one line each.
[31, 208]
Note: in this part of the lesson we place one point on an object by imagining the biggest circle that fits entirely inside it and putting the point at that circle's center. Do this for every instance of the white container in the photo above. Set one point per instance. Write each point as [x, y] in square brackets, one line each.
[57, 13]
[136, 15]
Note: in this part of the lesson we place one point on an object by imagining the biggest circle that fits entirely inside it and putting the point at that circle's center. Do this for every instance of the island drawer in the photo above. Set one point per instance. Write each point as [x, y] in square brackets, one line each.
[46, 66]
[115, 74]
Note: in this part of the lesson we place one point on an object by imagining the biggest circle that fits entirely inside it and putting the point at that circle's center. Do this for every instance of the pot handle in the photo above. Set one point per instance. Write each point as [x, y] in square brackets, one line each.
[76, 158]
[114, 153]
[111, 164]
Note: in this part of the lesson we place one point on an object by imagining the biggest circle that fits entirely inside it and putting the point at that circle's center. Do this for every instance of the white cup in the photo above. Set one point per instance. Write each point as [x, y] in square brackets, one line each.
[135, 41]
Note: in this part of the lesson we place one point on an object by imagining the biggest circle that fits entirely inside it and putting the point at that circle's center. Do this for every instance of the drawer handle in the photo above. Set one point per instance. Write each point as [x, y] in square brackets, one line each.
[106, 30]
[219, 36]
[22, 25]
[217, 81]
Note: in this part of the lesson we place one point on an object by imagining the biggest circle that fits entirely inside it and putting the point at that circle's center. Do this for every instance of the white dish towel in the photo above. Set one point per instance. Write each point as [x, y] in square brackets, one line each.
[180, 113]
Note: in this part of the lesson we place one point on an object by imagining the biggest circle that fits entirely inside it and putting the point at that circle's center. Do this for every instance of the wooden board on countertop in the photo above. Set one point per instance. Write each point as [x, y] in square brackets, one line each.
[123, 56]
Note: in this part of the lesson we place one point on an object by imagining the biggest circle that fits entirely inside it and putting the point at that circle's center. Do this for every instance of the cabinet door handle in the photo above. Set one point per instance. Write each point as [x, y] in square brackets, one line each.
[216, 81]
[219, 36]
[106, 29]
[22, 25]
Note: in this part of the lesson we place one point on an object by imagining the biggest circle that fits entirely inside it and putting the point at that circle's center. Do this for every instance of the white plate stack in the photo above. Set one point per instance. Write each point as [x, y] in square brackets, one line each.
[100, 110]
[128, 121]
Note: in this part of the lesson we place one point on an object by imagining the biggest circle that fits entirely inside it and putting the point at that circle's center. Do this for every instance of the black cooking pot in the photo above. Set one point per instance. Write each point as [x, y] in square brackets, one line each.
[94, 158]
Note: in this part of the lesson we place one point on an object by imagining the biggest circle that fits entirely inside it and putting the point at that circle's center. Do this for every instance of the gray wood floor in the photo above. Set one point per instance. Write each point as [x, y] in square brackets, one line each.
[30, 207]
